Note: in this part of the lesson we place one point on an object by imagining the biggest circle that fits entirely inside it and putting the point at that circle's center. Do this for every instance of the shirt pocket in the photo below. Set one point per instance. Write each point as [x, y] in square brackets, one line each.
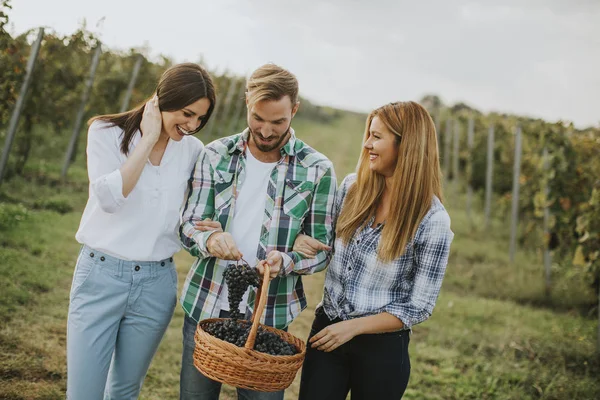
[223, 186]
[297, 197]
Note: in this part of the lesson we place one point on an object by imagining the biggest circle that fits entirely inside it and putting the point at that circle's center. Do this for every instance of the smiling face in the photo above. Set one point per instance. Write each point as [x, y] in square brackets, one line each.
[382, 146]
[269, 122]
[177, 124]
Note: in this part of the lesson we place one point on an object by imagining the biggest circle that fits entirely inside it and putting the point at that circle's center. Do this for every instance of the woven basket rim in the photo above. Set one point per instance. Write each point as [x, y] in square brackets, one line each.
[234, 348]
[243, 366]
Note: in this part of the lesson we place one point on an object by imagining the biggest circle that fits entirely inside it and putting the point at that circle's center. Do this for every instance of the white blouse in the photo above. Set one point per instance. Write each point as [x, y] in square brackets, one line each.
[144, 225]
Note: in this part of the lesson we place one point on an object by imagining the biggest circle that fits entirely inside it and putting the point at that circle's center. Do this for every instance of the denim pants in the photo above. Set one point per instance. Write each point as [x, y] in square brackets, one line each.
[195, 386]
[118, 313]
[372, 366]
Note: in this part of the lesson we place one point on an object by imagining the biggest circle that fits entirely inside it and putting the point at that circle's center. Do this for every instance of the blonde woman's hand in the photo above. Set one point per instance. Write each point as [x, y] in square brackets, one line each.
[334, 335]
[308, 246]
[151, 124]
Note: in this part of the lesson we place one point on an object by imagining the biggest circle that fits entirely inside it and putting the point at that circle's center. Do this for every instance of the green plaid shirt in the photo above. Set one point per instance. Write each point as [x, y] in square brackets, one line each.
[300, 198]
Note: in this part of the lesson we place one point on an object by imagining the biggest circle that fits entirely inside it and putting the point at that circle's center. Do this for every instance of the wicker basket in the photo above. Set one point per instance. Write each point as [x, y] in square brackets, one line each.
[244, 367]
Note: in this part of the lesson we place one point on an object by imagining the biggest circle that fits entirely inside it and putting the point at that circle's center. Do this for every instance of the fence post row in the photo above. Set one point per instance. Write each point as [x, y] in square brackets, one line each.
[455, 155]
[14, 120]
[447, 139]
[547, 255]
[221, 109]
[438, 133]
[515, 196]
[470, 139]
[233, 87]
[489, 174]
[79, 118]
[134, 74]
[215, 114]
[238, 110]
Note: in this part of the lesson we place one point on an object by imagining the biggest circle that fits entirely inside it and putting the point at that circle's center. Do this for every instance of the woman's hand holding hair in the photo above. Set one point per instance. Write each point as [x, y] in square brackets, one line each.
[151, 124]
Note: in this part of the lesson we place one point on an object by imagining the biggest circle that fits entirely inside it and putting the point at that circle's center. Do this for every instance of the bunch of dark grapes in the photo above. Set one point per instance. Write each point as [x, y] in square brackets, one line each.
[270, 343]
[238, 278]
[229, 330]
[236, 332]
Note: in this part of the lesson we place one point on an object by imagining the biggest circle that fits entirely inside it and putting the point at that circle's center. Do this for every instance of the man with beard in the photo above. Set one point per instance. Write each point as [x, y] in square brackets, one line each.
[264, 186]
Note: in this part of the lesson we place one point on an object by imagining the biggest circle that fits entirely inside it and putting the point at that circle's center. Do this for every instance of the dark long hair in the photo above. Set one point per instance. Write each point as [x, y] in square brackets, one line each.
[178, 87]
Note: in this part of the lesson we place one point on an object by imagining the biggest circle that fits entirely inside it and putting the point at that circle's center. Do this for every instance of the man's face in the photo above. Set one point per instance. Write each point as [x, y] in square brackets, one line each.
[269, 122]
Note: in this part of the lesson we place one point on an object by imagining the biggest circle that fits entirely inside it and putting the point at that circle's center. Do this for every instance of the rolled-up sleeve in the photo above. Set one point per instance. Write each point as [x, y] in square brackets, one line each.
[199, 206]
[319, 224]
[432, 248]
[103, 163]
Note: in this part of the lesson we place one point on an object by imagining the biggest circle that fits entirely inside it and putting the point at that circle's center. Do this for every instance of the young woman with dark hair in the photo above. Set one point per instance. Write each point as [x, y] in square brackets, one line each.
[124, 287]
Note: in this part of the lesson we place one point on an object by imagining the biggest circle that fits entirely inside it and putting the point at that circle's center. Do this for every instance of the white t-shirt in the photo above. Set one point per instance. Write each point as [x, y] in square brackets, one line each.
[144, 226]
[246, 225]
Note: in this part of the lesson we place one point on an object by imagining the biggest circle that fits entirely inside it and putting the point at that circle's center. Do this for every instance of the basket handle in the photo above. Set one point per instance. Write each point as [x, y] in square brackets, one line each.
[259, 306]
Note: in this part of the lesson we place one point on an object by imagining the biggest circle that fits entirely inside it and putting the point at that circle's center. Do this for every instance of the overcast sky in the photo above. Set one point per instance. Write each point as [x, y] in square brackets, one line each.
[532, 57]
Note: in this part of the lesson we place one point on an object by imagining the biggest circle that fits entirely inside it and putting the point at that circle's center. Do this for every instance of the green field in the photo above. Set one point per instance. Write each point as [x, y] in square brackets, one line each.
[493, 334]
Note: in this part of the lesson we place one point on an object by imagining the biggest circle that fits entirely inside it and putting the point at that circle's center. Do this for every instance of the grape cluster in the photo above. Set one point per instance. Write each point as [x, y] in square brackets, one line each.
[238, 278]
[236, 332]
[271, 343]
[229, 330]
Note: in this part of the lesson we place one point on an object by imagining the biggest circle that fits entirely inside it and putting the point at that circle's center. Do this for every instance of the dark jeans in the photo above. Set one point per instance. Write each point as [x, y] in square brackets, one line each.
[373, 366]
[193, 385]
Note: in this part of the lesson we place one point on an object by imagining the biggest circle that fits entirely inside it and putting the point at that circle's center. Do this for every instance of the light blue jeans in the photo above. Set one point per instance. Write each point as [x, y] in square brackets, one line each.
[195, 386]
[118, 313]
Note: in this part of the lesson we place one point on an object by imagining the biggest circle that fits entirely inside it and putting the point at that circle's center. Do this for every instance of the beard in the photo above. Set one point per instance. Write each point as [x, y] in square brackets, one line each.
[275, 144]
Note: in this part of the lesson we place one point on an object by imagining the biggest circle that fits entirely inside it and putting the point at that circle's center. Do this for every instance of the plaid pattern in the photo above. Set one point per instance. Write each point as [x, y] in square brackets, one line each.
[300, 197]
[357, 284]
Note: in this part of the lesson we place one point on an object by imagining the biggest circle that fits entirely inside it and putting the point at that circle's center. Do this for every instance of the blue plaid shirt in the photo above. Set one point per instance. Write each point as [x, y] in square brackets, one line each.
[358, 284]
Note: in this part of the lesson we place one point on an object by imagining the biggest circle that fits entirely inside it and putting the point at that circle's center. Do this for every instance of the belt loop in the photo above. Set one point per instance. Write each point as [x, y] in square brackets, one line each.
[120, 268]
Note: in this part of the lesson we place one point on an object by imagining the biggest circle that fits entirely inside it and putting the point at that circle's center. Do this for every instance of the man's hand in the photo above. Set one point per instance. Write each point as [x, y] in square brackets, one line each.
[208, 225]
[222, 245]
[308, 246]
[275, 261]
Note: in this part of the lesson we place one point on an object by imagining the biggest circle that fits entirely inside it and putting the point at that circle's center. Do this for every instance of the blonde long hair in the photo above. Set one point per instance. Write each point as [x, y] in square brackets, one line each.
[416, 179]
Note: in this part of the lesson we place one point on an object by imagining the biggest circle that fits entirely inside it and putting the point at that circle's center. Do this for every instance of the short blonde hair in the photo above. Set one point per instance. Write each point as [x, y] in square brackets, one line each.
[271, 82]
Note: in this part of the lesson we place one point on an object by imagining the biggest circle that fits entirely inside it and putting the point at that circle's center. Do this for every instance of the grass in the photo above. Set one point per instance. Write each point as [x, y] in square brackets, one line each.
[493, 335]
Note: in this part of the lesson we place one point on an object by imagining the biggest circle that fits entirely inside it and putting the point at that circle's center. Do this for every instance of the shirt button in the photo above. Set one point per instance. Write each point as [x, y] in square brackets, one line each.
[102, 258]
[171, 259]
[162, 264]
[137, 268]
[92, 255]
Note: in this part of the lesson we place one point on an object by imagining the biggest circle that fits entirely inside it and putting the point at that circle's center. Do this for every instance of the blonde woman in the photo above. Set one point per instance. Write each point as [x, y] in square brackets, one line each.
[391, 250]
